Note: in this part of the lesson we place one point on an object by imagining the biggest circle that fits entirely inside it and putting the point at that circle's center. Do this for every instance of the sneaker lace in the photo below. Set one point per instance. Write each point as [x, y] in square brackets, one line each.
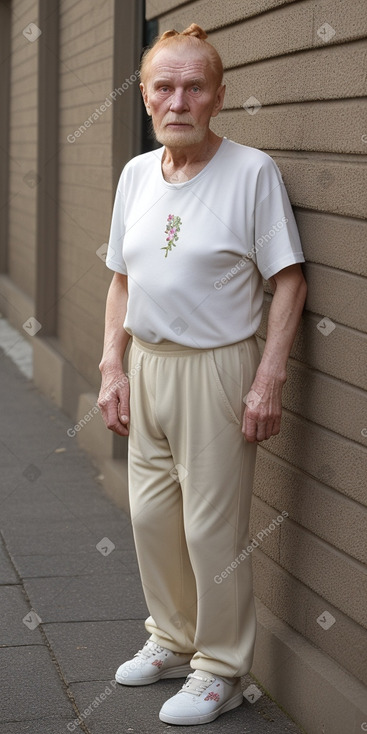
[196, 684]
[150, 648]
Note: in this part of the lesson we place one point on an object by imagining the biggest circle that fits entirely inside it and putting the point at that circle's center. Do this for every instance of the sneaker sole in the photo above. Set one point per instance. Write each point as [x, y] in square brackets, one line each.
[181, 671]
[204, 718]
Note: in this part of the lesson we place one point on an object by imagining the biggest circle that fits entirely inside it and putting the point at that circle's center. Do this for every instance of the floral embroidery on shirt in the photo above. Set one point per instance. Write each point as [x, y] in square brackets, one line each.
[157, 663]
[172, 229]
[212, 696]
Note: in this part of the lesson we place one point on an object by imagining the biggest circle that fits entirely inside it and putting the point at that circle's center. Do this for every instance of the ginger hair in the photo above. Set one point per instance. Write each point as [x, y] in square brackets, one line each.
[193, 35]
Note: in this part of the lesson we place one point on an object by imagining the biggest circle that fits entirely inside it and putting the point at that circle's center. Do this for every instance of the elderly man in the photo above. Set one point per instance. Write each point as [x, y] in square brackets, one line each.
[196, 225]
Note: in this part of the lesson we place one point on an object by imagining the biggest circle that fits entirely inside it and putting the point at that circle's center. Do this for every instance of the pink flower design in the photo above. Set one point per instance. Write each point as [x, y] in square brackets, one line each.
[172, 229]
[157, 663]
[212, 696]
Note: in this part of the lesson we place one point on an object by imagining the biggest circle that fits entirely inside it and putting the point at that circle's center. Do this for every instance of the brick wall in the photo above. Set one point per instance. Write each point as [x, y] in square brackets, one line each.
[85, 180]
[309, 80]
[23, 145]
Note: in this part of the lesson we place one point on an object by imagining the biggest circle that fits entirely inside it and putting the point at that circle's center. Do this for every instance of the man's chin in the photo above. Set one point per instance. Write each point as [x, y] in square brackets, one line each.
[179, 138]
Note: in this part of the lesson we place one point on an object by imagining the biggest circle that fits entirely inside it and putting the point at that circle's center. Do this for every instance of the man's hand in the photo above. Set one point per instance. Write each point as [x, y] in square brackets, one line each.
[114, 393]
[113, 401]
[263, 410]
[264, 400]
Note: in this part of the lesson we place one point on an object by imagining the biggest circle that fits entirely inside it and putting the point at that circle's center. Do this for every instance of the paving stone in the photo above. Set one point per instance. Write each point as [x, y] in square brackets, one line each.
[90, 651]
[49, 725]
[63, 536]
[14, 609]
[45, 508]
[79, 563]
[70, 535]
[7, 573]
[30, 685]
[63, 502]
[105, 596]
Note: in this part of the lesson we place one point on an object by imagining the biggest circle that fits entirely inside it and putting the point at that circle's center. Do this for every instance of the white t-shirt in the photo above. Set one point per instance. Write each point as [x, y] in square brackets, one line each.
[195, 252]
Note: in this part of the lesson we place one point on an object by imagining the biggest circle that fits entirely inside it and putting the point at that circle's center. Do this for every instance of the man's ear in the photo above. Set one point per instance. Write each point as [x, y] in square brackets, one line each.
[145, 97]
[219, 100]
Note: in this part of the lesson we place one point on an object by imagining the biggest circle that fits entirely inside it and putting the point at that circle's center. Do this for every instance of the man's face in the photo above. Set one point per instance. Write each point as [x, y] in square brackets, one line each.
[181, 95]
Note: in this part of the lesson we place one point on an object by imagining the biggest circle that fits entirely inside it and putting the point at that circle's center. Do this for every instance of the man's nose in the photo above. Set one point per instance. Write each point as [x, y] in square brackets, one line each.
[179, 101]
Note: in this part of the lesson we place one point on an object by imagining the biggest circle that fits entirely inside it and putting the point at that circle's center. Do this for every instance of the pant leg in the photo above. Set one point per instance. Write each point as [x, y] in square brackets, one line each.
[200, 405]
[157, 516]
[190, 405]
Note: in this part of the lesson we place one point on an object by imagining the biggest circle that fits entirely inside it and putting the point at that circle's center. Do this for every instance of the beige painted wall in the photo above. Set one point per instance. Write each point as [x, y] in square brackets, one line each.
[86, 78]
[23, 147]
[311, 121]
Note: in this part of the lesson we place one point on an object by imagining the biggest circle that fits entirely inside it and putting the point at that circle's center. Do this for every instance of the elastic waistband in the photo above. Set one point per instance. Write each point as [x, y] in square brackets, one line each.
[172, 348]
[166, 347]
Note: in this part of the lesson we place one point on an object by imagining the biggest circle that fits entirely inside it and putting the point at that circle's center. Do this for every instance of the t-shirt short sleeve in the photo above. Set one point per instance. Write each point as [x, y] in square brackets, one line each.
[276, 239]
[114, 257]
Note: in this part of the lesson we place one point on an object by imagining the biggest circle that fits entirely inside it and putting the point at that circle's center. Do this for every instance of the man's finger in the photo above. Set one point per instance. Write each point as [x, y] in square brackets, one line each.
[124, 410]
[117, 426]
[250, 429]
[120, 429]
[111, 416]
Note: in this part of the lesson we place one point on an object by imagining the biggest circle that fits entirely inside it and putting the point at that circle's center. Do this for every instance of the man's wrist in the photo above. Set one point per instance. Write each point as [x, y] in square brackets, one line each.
[111, 366]
[267, 373]
[273, 366]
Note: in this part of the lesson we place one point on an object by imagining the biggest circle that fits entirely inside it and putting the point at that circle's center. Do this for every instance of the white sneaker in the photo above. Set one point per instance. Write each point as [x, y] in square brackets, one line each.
[202, 698]
[152, 663]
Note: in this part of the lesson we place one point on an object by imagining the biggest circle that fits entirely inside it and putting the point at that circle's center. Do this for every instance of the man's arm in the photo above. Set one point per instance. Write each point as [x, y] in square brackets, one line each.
[263, 413]
[114, 393]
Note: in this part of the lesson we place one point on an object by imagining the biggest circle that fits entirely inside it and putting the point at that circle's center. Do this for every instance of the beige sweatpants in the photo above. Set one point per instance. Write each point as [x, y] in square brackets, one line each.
[190, 484]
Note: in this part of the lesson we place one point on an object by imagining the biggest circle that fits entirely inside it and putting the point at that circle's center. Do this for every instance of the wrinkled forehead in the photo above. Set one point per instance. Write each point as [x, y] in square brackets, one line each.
[181, 62]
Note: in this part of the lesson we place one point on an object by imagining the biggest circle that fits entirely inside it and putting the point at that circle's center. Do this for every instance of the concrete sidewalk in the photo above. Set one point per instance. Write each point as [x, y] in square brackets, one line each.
[71, 602]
